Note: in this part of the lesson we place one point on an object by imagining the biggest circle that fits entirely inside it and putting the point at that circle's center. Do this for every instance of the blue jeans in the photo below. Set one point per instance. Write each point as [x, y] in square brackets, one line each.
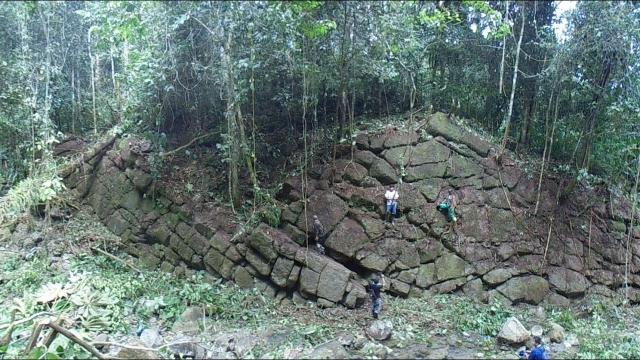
[376, 307]
[391, 207]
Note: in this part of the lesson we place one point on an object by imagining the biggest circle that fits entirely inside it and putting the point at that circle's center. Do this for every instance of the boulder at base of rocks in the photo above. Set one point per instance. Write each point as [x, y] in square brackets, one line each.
[331, 350]
[419, 351]
[129, 353]
[239, 342]
[185, 347]
[513, 332]
[151, 337]
[556, 333]
[189, 321]
[380, 330]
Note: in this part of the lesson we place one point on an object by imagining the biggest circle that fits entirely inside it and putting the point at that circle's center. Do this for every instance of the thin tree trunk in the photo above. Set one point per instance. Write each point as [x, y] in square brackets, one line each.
[93, 85]
[513, 89]
[73, 101]
[504, 49]
[631, 229]
[544, 153]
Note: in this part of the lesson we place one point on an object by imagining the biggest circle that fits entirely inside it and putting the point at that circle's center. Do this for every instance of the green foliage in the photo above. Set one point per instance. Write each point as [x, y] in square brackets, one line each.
[41, 188]
[468, 315]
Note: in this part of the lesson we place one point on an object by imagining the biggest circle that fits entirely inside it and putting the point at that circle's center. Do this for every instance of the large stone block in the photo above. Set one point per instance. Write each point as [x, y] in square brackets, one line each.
[333, 282]
[260, 264]
[309, 282]
[439, 124]
[530, 289]
[261, 240]
[568, 282]
[329, 208]
[426, 275]
[451, 266]
[281, 270]
[347, 238]
[383, 172]
[214, 260]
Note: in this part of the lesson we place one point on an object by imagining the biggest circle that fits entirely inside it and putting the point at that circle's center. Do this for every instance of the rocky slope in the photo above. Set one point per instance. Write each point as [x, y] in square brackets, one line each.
[568, 251]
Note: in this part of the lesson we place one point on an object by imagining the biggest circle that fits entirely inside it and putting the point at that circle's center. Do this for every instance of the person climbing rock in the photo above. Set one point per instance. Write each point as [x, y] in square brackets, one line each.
[537, 353]
[448, 207]
[319, 235]
[374, 291]
[391, 197]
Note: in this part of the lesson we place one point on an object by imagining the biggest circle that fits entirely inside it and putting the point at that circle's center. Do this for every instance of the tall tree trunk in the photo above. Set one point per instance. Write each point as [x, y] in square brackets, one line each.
[93, 84]
[590, 124]
[504, 48]
[507, 124]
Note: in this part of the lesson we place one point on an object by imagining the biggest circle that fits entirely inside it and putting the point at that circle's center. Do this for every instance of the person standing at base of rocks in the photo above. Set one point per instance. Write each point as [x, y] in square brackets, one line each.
[391, 197]
[375, 286]
[537, 353]
[319, 235]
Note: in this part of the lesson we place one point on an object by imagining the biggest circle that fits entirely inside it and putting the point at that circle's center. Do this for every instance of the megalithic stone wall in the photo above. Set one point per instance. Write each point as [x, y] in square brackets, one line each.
[166, 233]
[501, 250]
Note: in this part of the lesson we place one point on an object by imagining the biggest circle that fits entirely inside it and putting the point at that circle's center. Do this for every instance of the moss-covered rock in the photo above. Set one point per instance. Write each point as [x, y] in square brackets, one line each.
[347, 238]
[383, 172]
[438, 124]
[450, 266]
[530, 289]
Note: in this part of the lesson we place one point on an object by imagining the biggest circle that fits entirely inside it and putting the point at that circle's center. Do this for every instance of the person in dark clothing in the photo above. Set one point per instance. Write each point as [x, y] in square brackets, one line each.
[537, 353]
[375, 286]
[319, 235]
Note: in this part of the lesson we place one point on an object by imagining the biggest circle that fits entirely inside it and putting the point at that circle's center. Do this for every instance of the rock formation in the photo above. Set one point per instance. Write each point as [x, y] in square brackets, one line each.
[501, 249]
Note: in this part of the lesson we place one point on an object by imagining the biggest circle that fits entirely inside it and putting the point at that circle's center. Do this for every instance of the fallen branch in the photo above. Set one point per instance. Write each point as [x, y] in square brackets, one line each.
[22, 321]
[188, 144]
[113, 257]
[134, 347]
[71, 336]
[33, 340]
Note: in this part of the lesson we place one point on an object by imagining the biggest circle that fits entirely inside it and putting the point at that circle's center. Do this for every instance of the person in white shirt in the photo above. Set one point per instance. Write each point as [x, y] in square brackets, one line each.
[391, 197]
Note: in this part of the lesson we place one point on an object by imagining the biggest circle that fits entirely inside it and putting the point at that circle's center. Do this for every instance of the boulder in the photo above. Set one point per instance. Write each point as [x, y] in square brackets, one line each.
[380, 330]
[372, 261]
[463, 167]
[329, 208]
[556, 333]
[400, 138]
[333, 282]
[439, 124]
[425, 171]
[568, 282]
[497, 276]
[430, 187]
[151, 337]
[309, 282]
[450, 266]
[243, 278]
[281, 270]
[134, 353]
[365, 158]
[383, 172]
[530, 289]
[356, 297]
[347, 238]
[426, 275]
[262, 239]
[513, 332]
[329, 350]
